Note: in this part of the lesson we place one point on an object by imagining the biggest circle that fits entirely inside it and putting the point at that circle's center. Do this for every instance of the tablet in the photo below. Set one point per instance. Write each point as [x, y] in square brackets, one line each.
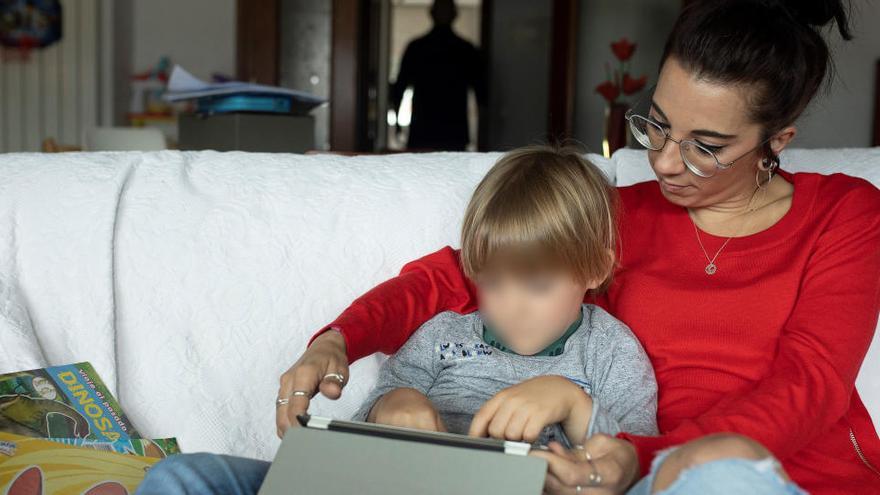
[413, 435]
[330, 457]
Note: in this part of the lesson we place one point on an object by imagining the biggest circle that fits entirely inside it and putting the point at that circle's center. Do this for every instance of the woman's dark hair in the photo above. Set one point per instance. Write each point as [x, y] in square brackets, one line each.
[775, 46]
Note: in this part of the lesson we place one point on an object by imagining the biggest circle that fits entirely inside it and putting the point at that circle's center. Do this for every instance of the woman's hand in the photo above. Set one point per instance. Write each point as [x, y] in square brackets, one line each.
[520, 412]
[605, 466]
[406, 407]
[322, 367]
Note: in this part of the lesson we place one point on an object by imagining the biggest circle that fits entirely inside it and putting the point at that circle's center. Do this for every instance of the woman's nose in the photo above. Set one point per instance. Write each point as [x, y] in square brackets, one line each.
[668, 160]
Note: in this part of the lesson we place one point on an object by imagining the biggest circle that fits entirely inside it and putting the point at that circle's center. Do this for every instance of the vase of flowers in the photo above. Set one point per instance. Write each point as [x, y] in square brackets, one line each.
[619, 82]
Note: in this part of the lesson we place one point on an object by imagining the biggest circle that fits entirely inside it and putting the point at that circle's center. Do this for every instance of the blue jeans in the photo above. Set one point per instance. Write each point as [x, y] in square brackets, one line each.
[204, 474]
[725, 476]
[223, 475]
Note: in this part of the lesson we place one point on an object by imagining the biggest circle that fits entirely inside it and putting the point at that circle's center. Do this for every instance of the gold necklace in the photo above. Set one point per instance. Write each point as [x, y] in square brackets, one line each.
[711, 267]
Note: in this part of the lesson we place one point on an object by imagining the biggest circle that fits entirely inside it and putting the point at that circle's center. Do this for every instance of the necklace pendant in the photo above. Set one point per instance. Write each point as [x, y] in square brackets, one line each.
[711, 269]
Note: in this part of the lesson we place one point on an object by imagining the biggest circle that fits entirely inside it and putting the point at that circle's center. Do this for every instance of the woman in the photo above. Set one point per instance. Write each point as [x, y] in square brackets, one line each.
[755, 292]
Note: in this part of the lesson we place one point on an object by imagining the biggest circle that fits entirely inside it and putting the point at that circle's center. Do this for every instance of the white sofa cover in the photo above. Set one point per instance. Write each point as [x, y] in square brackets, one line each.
[192, 280]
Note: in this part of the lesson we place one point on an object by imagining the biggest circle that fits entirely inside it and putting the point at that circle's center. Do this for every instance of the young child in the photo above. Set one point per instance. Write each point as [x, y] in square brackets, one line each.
[534, 363]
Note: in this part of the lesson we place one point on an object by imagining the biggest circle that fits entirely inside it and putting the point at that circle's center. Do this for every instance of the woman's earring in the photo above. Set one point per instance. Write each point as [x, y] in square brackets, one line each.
[768, 166]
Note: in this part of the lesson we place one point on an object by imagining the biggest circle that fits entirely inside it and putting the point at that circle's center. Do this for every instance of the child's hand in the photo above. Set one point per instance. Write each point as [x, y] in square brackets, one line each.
[520, 412]
[406, 407]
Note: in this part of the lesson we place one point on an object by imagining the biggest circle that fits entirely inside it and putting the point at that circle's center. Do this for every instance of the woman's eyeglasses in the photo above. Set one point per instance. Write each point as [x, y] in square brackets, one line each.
[698, 158]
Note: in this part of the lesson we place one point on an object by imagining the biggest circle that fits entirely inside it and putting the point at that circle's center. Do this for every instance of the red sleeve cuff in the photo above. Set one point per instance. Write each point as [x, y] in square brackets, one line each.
[647, 448]
[351, 350]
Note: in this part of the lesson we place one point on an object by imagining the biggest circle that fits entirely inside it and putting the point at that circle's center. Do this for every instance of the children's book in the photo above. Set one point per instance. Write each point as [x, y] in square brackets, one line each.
[33, 466]
[68, 401]
[159, 448]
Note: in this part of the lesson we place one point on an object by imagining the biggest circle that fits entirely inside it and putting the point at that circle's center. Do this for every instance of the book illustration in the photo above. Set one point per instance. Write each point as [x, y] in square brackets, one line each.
[159, 448]
[32, 466]
[68, 401]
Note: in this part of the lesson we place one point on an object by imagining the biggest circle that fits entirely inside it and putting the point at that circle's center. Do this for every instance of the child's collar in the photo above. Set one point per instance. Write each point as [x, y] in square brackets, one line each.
[554, 349]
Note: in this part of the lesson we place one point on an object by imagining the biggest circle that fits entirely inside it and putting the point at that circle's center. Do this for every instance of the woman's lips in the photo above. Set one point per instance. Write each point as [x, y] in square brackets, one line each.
[673, 188]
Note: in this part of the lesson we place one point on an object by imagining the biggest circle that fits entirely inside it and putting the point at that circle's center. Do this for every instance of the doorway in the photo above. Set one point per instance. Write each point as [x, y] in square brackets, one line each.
[407, 21]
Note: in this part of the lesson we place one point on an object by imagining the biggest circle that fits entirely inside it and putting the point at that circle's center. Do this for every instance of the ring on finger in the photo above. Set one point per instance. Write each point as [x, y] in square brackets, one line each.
[594, 478]
[296, 393]
[582, 450]
[339, 377]
[577, 489]
[283, 401]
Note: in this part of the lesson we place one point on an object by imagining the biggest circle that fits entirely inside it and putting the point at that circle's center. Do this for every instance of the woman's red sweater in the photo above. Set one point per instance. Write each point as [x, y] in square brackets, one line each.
[769, 346]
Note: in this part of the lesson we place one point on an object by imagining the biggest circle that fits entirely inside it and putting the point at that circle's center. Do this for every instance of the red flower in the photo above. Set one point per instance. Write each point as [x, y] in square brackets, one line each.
[633, 85]
[608, 90]
[623, 49]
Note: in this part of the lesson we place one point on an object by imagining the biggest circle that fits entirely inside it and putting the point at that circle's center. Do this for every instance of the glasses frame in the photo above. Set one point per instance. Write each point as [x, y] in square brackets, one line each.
[630, 115]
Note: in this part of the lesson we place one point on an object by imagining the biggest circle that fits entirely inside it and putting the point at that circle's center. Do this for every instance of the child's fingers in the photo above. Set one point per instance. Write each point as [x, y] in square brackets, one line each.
[441, 426]
[501, 419]
[516, 425]
[533, 428]
[480, 422]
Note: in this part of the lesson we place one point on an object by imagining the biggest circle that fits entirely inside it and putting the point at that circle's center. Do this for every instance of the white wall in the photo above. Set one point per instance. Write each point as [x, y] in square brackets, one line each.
[57, 92]
[197, 34]
[645, 22]
[845, 117]
[519, 73]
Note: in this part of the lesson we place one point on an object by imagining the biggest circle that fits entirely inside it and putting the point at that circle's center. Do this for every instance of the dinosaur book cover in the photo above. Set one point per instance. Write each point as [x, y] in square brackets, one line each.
[68, 401]
[159, 448]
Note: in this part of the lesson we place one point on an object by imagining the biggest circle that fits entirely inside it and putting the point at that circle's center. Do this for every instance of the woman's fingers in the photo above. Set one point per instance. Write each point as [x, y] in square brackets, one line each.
[559, 450]
[334, 379]
[600, 444]
[302, 378]
[614, 459]
[323, 365]
[303, 386]
[552, 485]
[566, 470]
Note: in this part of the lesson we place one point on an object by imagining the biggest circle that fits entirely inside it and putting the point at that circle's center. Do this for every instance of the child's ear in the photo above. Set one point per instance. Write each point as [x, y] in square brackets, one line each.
[611, 257]
[609, 270]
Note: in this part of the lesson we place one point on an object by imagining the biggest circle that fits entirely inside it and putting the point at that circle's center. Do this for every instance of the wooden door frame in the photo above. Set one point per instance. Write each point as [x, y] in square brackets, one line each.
[876, 138]
[258, 50]
[563, 69]
[348, 61]
[258, 59]
[258, 41]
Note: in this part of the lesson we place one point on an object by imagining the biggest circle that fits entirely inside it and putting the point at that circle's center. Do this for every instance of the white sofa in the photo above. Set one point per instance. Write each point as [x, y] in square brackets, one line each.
[192, 280]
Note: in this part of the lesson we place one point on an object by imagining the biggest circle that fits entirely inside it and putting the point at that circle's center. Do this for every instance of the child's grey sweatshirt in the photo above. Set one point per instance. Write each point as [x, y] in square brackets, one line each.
[447, 360]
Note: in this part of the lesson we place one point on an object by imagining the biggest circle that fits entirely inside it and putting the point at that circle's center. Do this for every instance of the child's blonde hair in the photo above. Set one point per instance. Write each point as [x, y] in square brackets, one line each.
[542, 207]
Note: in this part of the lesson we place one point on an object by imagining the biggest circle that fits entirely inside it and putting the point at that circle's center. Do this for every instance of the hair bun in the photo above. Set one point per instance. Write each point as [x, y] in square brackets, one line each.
[818, 13]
